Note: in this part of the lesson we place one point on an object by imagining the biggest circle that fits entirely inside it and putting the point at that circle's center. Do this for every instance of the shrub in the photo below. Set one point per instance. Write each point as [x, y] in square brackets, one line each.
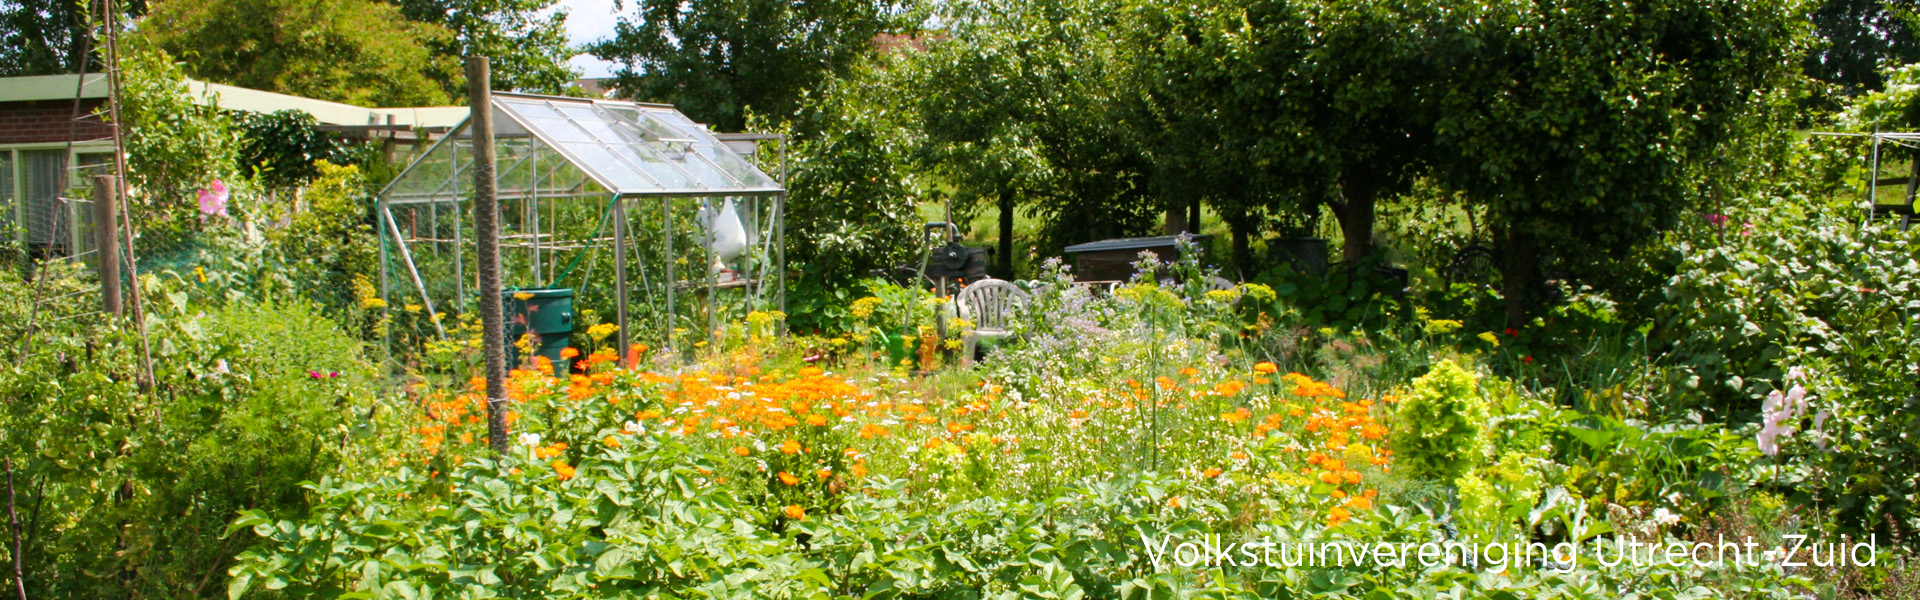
[125, 489]
[1442, 424]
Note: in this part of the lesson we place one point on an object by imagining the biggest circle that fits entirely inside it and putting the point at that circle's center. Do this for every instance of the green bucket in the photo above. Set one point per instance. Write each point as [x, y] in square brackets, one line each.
[547, 313]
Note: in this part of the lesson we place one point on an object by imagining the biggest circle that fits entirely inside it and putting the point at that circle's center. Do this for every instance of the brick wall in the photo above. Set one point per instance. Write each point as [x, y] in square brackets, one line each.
[39, 122]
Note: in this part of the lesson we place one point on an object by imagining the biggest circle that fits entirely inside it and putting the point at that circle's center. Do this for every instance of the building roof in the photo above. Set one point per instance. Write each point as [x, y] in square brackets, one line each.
[627, 148]
[1164, 241]
[62, 87]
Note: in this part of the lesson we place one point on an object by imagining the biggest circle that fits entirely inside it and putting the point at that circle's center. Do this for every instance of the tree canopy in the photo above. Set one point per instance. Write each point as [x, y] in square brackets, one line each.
[46, 37]
[525, 41]
[1858, 35]
[1587, 126]
[354, 51]
[715, 59]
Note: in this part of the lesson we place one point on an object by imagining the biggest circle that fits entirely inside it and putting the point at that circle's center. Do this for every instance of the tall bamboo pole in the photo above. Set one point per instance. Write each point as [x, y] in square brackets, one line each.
[486, 231]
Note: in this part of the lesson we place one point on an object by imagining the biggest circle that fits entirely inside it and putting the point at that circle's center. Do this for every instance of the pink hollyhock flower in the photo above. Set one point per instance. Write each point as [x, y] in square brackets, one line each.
[213, 199]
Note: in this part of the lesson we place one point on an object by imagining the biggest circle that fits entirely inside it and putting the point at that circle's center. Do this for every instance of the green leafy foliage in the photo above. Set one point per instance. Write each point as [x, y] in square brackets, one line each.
[175, 147]
[525, 42]
[45, 37]
[1587, 127]
[851, 206]
[1792, 283]
[1443, 423]
[361, 52]
[247, 402]
[282, 147]
[716, 60]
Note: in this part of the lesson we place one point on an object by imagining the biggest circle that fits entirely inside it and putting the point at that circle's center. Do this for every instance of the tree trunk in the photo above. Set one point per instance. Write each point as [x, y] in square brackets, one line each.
[1193, 215]
[1519, 273]
[1176, 221]
[1356, 221]
[1242, 258]
[1005, 270]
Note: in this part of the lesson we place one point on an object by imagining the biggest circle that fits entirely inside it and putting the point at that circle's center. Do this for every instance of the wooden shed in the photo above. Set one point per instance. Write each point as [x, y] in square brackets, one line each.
[1112, 260]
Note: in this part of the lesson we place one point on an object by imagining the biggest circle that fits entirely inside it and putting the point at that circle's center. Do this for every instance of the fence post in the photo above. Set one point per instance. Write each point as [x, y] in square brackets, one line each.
[106, 241]
[486, 231]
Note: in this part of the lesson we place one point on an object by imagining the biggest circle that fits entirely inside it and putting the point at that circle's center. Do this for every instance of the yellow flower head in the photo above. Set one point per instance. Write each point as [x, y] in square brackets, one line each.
[863, 307]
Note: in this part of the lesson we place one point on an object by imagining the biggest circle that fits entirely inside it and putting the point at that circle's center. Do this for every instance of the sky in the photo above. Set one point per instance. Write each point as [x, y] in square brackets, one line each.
[590, 21]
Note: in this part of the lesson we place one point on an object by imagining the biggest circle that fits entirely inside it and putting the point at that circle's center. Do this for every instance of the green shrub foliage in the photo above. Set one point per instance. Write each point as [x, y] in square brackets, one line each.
[1442, 423]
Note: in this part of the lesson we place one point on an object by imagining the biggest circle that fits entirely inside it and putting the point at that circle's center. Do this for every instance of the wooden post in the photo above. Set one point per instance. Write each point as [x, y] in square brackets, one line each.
[619, 216]
[106, 241]
[13, 525]
[486, 231]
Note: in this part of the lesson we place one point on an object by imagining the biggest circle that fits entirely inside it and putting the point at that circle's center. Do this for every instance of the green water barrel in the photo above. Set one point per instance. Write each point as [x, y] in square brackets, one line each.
[547, 314]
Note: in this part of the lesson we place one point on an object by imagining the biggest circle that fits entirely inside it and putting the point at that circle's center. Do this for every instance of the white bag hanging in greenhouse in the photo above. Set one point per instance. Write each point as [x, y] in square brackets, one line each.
[729, 237]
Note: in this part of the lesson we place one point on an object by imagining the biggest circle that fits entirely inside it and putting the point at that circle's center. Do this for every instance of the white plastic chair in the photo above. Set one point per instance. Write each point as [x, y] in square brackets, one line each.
[989, 304]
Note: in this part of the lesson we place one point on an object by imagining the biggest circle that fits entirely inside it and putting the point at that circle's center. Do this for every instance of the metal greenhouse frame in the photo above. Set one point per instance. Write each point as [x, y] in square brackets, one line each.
[570, 169]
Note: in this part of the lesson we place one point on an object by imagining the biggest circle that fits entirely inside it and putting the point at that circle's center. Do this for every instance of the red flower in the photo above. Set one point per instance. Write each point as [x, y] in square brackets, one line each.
[1511, 332]
[1526, 359]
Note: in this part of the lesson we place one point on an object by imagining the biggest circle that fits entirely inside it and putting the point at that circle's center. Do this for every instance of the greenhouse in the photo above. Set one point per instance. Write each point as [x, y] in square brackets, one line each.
[649, 220]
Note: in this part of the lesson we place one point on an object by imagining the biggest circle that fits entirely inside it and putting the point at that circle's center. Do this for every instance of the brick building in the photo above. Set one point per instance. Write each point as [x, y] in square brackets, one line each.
[47, 155]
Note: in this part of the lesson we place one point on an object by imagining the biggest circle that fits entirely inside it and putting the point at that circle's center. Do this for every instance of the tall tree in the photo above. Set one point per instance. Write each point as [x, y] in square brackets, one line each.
[1857, 36]
[715, 59]
[1586, 127]
[1272, 106]
[355, 51]
[46, 37]
[525, 41]
[1022, 107]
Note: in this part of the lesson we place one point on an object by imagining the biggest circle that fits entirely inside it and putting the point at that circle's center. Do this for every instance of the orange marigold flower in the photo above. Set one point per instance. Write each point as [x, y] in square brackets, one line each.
[1360, 503]
[823, 473]
[790, 447]
[1373, 431]
[741, 450]
[1238, 415]
[1240, 456]
[859, 470]
[788, 478]
[794, 512]
[1337, 494]
[816, 419]
[1266, 368]
[1189, 371]
[561, 468]
[1338, 515]
[1174, 502]
[1212, 472]
[611, 442]
[569, 352]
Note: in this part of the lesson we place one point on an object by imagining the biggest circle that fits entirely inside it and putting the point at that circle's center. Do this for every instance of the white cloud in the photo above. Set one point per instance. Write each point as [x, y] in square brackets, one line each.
[590, 21]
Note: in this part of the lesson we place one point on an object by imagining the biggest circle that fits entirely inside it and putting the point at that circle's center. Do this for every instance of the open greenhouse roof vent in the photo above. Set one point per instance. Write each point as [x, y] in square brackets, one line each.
[626, 148]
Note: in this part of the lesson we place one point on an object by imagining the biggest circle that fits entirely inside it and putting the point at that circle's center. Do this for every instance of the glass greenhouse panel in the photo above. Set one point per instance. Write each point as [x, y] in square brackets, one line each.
[568, 171]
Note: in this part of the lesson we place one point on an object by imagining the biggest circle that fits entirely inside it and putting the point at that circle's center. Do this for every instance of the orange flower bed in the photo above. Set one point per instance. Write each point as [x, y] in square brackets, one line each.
[1250, 429]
